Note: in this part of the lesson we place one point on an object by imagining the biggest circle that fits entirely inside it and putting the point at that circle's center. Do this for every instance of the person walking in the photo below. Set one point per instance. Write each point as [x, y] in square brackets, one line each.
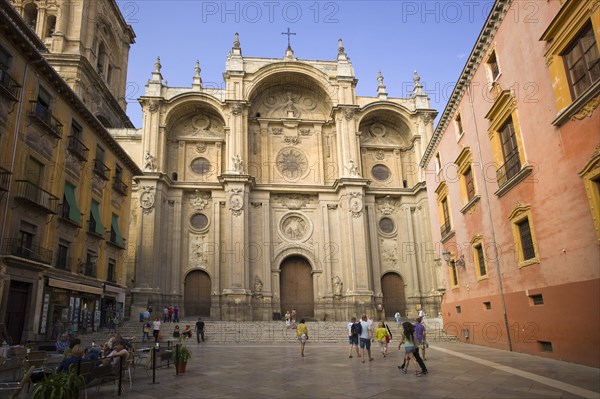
[398, 318]
[383, 336]
[170, 313]
[353, 337]
[199, 330]
[365, 337]
[408, 339]
[156, 329]
[302, 334]
[146, 331]
[421, 336]
[176, 314]
[165, 314]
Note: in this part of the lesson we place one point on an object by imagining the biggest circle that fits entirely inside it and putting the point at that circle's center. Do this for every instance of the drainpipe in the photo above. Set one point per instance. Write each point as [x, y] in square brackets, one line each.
[489, 215]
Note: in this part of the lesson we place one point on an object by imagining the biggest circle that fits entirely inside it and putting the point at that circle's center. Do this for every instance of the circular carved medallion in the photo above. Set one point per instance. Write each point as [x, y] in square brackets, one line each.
[291, 163]
[381, 172]
[295, 227]
[200, 166]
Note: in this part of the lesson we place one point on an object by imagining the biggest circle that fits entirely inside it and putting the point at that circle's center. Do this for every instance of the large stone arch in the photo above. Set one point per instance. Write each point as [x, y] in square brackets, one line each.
[311, 75]
[388, 155]
[195, 131]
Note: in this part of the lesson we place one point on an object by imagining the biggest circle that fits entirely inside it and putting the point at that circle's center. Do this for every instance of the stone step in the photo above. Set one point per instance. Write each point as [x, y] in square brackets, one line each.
[259, 331]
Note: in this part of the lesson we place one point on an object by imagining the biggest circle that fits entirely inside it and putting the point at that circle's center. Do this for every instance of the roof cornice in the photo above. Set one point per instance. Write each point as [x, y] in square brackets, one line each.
[480, 48]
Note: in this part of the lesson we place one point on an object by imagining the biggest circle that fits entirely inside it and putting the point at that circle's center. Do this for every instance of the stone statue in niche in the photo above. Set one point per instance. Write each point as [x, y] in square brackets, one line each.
[352, 168]
[238, 164]
[149, 162]
[338, 286]
[290, 110]
[258, 287]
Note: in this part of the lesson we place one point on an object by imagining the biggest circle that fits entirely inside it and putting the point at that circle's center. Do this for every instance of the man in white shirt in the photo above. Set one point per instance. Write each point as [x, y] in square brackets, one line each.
[365, 338]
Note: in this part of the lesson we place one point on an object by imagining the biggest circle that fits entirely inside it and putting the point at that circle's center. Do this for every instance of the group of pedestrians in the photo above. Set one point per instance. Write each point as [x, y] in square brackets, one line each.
[171, 314]
[361, 333]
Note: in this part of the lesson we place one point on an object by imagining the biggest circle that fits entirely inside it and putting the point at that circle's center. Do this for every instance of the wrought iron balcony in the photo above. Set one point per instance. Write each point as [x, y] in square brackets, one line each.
[445, 229]
[111, 236]
[4, 179]
[9, 87]
[511, 167]
[44, 118]
[100, 169]
[16, 247]
[64, 210]
[77, 148]
[28, 192]
[119, 186]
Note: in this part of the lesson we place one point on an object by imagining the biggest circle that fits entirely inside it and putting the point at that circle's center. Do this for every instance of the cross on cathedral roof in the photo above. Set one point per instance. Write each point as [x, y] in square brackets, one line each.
[288, 33]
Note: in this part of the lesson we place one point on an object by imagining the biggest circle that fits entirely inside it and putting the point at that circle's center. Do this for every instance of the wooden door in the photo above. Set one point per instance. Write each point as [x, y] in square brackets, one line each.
[394, 298]
[197, 294]
[16, 310]
[297, 287]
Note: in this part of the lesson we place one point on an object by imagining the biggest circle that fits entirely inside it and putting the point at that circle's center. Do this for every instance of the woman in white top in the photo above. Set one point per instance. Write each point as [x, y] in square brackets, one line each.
[156, 329]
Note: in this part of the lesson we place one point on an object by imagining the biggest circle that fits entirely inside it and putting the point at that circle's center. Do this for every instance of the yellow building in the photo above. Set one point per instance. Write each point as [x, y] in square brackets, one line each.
[64, 197]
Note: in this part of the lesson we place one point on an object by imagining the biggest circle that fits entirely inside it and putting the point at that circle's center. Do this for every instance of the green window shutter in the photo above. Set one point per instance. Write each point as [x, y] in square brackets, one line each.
[115, 226]
[74, 211]
[96, 215]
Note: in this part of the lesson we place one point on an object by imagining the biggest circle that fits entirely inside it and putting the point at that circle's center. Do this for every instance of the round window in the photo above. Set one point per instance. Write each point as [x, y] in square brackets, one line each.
[381, 172]
[386, 225]
[199, 221]
[200, 166]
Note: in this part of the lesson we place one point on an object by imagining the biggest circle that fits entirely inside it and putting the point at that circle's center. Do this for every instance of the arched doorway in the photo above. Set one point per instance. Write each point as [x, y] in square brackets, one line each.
[297, 287]
[394, 298]
[196, 296]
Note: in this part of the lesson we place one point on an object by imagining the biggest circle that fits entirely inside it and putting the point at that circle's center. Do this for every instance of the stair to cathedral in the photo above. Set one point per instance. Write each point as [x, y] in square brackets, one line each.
[260, 331]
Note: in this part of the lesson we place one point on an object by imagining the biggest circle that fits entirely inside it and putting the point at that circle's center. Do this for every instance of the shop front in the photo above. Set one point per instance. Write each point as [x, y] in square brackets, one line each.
[70, 307]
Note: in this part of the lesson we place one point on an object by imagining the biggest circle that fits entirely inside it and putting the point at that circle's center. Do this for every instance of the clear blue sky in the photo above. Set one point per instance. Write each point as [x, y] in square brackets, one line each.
[396, 37]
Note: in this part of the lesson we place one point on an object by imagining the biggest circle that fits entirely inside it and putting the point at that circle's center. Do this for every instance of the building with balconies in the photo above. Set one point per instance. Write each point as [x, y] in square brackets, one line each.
[64, 197]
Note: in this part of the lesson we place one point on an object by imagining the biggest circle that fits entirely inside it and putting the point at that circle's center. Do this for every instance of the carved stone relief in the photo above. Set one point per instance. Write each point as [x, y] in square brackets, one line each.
[198, 254]
[295, 227]
[147, 199]
[356, 204]
[199, 200]
[291, 163]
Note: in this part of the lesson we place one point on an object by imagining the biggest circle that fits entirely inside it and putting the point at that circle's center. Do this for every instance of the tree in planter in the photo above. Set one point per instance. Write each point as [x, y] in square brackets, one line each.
[181, 354]
[59, 386]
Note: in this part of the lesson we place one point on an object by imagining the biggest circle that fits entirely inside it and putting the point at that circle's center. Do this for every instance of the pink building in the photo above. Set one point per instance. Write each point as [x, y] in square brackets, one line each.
[513, 173]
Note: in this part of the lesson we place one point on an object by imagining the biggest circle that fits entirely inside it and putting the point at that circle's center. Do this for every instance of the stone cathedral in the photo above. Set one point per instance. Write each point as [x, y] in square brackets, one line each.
[281, 190]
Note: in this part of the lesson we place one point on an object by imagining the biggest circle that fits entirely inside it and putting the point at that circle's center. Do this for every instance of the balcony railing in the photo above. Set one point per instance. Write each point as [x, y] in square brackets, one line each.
[15, 247]
[100, 169]
[64, 210]
[511, 167]
[4, 179]
[44, 118]
[35, 195]
[119, 186]
[9, 87]
[77, 148]
[111, 236]
[445, 229]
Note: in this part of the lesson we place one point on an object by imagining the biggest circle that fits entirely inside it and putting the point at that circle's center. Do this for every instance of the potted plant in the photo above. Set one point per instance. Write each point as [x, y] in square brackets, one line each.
[181, 354]
[59, 386]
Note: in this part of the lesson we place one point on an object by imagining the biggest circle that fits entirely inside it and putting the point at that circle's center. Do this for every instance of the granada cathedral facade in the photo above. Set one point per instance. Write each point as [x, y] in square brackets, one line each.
[283, 190]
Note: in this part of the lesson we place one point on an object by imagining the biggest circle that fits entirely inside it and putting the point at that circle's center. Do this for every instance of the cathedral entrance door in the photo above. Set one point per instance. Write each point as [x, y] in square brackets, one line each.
[394, 298]
[297, 287]
[196, 296]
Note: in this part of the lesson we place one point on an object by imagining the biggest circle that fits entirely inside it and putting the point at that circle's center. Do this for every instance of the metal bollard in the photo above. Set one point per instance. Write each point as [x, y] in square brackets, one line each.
[120, 375]
[176, 360]
[154, 354]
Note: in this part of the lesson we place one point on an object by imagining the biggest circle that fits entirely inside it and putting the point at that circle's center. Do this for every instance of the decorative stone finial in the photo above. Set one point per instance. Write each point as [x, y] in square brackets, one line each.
[197, 81]
[381, 91]
[418, 90]
[157, 65]
[236, 41]
[197, 69]
[342, 56]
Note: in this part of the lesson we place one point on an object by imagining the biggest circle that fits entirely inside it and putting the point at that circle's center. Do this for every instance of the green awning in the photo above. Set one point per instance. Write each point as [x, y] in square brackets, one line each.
[96, 215]
[74, 212]
[119, 240]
